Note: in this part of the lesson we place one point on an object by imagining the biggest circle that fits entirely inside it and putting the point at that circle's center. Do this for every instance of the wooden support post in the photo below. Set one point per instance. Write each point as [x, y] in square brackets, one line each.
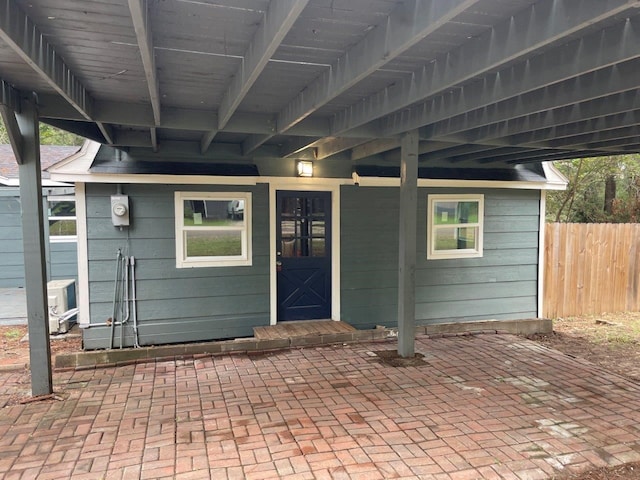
[407, 257]
[34, 252]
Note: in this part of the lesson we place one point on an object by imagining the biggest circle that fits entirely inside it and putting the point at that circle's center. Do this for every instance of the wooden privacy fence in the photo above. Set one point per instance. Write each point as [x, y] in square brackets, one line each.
[591, 268]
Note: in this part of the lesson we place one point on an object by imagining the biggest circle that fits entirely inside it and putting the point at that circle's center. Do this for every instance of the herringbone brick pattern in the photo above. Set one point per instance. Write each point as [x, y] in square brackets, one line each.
[486, 406]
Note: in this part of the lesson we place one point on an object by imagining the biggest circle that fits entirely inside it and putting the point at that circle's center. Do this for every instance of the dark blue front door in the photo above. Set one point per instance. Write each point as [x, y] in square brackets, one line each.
[303, 239]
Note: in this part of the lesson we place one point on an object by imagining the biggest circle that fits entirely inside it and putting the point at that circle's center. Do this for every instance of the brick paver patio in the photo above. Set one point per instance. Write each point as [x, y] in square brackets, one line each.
[484, 406]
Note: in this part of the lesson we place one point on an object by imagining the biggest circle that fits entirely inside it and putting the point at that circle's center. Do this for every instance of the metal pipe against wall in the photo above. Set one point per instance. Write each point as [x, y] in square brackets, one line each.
[134, 311]
[115, 298]
[121, 307]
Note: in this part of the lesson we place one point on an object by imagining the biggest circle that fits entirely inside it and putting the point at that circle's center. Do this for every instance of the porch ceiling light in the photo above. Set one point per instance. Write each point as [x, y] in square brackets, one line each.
[304, 168]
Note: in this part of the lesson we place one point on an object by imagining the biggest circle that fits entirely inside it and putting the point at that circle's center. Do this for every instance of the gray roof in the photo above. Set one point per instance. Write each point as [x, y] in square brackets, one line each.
[49, 155]
[484, 81]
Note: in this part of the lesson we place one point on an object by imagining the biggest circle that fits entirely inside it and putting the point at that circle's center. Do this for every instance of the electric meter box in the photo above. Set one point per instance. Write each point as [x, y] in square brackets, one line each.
[120, 210]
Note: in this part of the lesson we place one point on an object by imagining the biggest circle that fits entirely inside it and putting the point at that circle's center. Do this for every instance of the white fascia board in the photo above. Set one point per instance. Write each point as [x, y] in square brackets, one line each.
[78, 163]
[15, 182]
[155, 179]
[196, 179]
[52, 183]
[431, 182]
[555, 178]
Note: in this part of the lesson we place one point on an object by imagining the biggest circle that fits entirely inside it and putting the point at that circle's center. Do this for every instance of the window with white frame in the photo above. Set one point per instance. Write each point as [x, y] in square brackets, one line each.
[455, 226]
[213, 229]
[61, 211]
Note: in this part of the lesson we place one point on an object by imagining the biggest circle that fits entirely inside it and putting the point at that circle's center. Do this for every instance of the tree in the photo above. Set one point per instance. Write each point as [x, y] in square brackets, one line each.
[48, 136]
[602, 189]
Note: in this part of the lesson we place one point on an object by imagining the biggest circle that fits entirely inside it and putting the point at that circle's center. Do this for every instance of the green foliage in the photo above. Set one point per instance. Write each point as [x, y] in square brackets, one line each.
[585, 200]
[12, 334]
[214, 246]
[48, 136]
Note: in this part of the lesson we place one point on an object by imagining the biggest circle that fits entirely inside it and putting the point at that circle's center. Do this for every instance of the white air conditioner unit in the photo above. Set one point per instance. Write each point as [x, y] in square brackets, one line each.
[62, 299]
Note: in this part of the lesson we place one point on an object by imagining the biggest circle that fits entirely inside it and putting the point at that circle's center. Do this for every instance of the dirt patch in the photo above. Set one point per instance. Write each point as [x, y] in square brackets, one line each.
[612, 341]
[15, 347]
[628, 471]
[609, 340]
[391, 358]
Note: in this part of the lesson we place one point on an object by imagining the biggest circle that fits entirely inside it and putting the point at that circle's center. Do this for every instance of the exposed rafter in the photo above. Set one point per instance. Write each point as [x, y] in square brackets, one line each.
[497, 154]
[206, 140]
[459, 153]
[603, 139]
[9, 96]
[9, 105]
[140, 18]
[573, 134]
[19, 32]
[13, 131]
[374, 147]
[541, 156]
[408, 24]
[560, 122]
[538, 26]
[331, 146]
[423, 147]
[121, 113]
[154, 138]
[296, 145]
[591, 86]
[252, 142]
[608, 48]
[85, 129]
[278, 20]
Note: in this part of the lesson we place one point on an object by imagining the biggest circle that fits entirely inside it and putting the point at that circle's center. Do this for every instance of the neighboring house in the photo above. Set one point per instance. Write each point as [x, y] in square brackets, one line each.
[59, 211]
[228, 245]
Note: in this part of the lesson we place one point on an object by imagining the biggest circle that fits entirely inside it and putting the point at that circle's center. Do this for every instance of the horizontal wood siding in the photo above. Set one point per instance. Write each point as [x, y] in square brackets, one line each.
[63, 256]
[64, 260]
[500, 285]
[11, 256]
[174, 305]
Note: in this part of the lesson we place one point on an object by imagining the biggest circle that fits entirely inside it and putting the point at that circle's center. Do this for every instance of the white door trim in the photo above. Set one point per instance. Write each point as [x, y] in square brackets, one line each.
[84, 316]
[292, 184]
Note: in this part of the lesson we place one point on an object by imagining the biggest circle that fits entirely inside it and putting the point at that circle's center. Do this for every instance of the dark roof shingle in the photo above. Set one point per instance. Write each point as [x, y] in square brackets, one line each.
[49, 155]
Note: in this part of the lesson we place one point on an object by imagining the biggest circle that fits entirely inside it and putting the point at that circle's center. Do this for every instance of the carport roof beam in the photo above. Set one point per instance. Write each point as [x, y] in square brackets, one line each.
[406, 25]
[536, 27]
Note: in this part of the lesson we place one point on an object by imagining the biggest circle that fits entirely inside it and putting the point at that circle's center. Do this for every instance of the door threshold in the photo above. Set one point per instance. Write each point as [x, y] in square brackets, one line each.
[301, 328]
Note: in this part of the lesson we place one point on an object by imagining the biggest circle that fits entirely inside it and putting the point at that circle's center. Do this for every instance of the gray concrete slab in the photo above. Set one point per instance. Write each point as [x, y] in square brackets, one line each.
[13, 306]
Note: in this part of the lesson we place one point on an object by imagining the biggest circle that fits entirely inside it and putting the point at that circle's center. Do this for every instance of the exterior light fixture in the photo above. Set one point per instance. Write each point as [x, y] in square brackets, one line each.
[304, 168]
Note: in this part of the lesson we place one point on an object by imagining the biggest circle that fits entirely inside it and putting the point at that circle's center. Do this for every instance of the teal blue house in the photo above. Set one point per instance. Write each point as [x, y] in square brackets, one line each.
[225, 246]
[427, 124]
[59, 219]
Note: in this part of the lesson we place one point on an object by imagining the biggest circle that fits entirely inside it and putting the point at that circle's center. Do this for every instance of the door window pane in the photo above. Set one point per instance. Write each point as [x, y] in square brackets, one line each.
[302, 227]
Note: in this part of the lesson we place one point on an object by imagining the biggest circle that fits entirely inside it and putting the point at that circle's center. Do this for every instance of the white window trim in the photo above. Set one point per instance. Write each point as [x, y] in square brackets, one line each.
[432, 253]
[62, 238]
[244, 259]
